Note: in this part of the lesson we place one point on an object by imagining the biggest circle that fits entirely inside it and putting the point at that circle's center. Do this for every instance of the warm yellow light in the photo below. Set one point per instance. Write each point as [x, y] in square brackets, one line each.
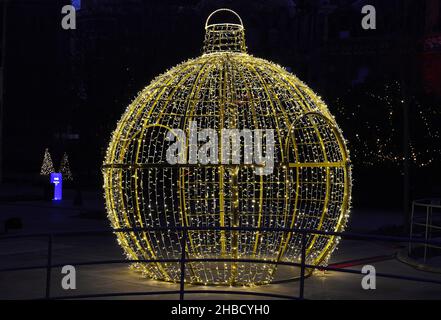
[227, 88]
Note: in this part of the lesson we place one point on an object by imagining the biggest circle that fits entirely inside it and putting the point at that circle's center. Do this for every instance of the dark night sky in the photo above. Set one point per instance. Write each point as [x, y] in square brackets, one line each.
[60, 83]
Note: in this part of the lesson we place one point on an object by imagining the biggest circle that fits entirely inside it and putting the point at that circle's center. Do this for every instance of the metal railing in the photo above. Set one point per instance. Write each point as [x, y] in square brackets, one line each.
[427, 224]
[183, 260]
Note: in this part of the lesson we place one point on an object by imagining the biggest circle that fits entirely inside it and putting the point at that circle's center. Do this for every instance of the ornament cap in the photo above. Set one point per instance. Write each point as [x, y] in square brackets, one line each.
[226, 36]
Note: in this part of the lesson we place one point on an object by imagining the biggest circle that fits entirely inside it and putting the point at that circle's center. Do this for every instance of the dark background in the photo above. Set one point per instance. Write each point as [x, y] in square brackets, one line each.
[66, 89]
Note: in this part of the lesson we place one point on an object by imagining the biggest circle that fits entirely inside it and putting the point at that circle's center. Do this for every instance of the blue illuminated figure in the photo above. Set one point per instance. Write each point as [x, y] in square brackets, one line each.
[76, 4]
[57, 181]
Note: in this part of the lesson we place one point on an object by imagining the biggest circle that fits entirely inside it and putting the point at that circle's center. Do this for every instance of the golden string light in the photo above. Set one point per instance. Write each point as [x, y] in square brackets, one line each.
[226, 88]
[376, 142]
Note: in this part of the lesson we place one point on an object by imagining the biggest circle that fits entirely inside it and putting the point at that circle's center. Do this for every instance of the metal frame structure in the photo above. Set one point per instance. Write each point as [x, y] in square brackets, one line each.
[227, 89]
[184, 261]
[429, 205]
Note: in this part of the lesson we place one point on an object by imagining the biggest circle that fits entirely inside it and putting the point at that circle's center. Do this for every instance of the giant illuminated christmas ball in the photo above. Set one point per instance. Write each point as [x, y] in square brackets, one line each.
[155, 174]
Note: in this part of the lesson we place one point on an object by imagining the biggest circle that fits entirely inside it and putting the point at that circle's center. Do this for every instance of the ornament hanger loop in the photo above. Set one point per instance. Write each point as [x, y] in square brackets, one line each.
[224, 10]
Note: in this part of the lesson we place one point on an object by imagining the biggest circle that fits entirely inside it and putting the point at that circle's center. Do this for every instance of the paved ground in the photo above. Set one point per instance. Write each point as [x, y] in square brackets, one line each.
[39, 216]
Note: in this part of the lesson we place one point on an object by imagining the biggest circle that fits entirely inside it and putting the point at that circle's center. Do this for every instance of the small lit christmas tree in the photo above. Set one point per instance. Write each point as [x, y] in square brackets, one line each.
[65, 168]
[47, 167]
